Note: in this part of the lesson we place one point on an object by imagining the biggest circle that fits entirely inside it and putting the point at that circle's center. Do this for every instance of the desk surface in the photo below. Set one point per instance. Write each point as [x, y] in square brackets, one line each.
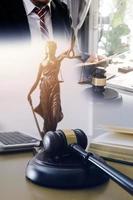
[14, 186]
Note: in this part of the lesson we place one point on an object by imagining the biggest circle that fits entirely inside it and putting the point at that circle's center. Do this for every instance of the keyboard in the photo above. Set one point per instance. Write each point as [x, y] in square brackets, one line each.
[16, 141]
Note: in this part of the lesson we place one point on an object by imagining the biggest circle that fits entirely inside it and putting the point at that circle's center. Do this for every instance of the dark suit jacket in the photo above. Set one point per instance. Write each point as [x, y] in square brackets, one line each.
[14, 23]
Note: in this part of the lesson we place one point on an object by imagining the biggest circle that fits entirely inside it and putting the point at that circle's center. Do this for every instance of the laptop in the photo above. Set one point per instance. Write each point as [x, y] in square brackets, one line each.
[17, 141]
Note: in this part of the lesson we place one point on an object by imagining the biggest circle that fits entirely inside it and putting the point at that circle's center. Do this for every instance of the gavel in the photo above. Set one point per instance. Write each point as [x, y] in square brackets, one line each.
[75, 141]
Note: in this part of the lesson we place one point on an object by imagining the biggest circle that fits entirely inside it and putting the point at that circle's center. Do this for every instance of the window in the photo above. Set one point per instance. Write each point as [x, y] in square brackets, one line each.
[115, 27]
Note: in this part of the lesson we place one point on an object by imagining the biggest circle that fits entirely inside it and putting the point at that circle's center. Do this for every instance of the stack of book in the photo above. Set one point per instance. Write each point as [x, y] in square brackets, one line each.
[117, 145]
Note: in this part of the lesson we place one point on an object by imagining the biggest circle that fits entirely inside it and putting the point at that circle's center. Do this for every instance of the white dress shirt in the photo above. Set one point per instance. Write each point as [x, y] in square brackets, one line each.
[34, 21]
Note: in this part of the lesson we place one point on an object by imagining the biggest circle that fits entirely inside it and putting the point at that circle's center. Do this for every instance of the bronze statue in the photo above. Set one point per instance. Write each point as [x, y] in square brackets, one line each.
[49, 107]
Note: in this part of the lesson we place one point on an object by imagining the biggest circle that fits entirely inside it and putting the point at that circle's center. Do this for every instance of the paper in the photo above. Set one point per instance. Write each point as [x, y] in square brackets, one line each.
[122, 130]
[124, 82]
[115, 139]
[116, 146]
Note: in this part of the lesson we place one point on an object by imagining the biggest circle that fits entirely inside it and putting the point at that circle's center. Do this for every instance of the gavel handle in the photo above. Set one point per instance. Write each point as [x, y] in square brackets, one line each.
[124, 181]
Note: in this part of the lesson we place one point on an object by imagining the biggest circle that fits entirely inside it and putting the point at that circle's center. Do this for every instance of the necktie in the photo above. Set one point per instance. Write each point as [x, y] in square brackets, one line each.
[42, 12]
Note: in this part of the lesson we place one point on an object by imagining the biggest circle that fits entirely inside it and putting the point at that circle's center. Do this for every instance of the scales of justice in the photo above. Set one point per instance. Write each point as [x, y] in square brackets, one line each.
[62, 161]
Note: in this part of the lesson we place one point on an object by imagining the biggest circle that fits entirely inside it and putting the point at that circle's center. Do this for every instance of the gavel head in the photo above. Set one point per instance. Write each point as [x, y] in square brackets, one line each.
[57, 142]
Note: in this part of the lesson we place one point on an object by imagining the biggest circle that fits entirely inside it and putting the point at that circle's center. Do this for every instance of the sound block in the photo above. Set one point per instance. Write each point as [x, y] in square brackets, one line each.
[65, 172]
[109, 95]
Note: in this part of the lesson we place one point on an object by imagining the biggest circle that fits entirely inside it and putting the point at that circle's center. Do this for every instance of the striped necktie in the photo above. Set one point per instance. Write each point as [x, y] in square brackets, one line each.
[42, 12]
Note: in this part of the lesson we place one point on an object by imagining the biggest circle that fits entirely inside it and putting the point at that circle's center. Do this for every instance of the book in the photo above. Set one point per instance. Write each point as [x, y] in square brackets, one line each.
[117, 146]
[123, 130]
[123, 82]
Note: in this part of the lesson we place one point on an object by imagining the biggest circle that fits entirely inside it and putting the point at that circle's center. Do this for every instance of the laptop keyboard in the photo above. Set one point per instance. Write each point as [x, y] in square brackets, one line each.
[10, 138]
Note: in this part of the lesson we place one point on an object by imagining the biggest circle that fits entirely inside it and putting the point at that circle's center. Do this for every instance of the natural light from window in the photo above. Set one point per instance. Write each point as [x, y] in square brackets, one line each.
[115, 28]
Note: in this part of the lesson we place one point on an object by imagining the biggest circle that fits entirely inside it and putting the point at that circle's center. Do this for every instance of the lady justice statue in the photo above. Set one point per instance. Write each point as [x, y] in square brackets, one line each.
[49, 107]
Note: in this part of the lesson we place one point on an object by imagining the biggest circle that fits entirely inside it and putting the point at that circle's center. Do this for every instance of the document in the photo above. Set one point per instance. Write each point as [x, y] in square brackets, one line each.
[123, 82]
[116, 146]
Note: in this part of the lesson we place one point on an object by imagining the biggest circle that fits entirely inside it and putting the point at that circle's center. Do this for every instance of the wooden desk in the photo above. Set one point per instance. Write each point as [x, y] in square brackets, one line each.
[14, 186]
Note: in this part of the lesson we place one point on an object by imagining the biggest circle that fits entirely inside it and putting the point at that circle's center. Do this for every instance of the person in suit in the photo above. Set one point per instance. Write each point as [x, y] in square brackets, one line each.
[17, 18]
